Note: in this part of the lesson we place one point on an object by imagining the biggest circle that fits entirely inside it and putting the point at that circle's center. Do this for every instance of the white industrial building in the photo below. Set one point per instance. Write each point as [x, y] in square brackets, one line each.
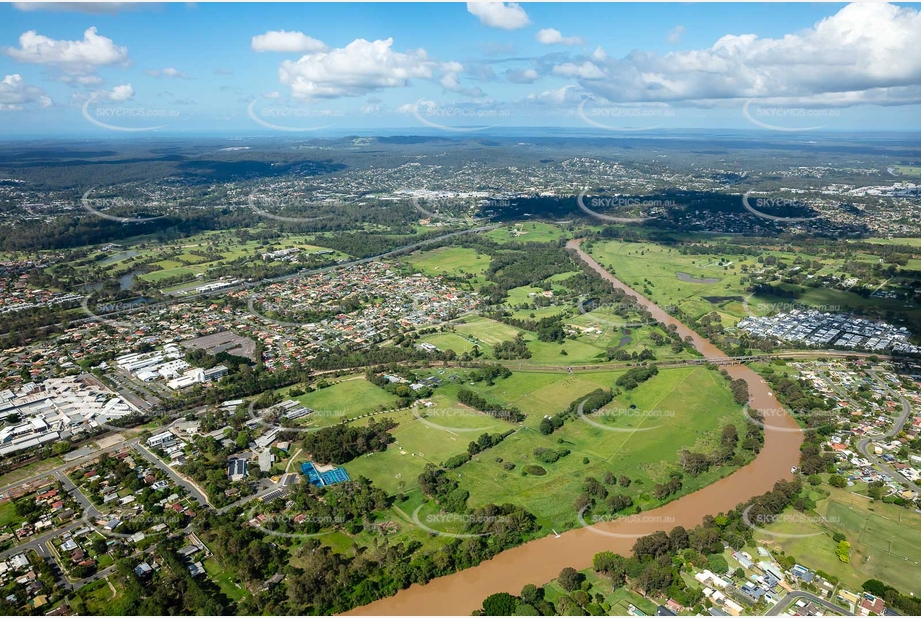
[56, 409]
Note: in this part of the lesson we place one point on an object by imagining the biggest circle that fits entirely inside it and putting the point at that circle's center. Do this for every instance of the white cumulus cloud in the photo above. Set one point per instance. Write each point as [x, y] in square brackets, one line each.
[505, 15]
[120, 93]
[16, 95]
[552, 36]
[357, 69]
[586, 70]
[75, 57]
[859, 54]
[290, 42]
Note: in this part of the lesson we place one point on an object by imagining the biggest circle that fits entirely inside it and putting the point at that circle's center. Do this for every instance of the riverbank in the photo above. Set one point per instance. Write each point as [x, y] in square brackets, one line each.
[541, 560]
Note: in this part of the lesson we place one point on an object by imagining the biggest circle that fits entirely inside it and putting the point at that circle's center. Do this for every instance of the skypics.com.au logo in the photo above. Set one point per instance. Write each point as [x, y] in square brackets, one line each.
[617, 201]
[600, 524]
[429, 415]
[277, 205]
[435, 520]
[758, 205]
[106, 116]
[814, 419]
[274, 416]
[450, 207]
[757, 310]
[114, 308]
[629, 415]
[633, 313]
[440, 117]
[788, 119]
[293, 119]
[794, 520]
[605, 116]
[95, 206]
[284, 524]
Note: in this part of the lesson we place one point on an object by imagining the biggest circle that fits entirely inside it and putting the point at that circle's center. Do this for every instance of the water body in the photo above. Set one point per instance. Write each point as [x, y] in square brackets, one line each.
[125, 282]
[541, 560]
[689, 279]
[118, 257]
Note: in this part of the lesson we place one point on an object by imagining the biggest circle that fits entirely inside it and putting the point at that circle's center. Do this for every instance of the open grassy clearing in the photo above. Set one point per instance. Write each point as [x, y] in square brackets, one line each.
[223, 580]
[587, 348]
[397, 469]
[8, 515]
[912, 242]
[885, 540]
[528, 232]
[680, 407]
[450, 261]
[350, 397]
[619, 599]
[96, 599]
[654, 271]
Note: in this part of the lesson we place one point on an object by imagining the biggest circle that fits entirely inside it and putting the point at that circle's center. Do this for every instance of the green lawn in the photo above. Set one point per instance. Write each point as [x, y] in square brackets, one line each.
[450, 261]
[619, 599]
[8, 515]
[586, 348]
[96, 599]
[528, 232]
[397, 469]
[653, 270]
[684, 406]
[885, 541]
[224, 580]
[351, 397]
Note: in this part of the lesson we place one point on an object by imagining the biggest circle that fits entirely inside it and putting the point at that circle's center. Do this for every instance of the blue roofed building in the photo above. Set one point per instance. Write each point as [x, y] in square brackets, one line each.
[325, 476]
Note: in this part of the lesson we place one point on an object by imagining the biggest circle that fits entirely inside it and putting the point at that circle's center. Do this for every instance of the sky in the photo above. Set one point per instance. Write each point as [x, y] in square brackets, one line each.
[235, 69]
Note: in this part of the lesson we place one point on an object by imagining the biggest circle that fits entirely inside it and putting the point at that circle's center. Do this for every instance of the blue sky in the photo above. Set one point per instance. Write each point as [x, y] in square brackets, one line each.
[314, 69]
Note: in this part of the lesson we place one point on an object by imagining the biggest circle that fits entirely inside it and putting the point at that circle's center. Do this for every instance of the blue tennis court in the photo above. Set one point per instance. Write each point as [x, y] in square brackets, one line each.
[321, 479]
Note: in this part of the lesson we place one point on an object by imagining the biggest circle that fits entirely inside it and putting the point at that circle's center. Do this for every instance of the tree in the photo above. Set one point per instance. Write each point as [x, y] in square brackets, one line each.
[570, 579]
[652, 545]
[718, 563]
[678, 538]
[836, 480]
[843, 551]
[612, 565]
[532, 594]
[500, 604]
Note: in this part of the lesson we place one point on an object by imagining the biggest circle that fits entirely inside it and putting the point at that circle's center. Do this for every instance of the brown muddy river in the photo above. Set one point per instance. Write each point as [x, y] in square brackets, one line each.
[541, 560]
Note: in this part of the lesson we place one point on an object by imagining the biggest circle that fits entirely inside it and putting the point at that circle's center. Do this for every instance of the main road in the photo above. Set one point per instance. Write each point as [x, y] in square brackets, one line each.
[541, 560]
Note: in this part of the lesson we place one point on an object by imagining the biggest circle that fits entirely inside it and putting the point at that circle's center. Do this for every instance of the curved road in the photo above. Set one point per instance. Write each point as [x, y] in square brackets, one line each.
[541, 560]
[893, 431]
[797, 594]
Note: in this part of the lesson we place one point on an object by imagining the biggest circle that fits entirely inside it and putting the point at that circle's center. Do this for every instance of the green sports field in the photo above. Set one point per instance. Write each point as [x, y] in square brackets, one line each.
[885, 541]
[350, 397]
